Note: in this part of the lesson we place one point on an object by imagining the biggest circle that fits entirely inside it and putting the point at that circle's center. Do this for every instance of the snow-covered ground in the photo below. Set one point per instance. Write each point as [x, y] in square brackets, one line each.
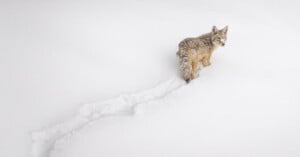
[60, 61]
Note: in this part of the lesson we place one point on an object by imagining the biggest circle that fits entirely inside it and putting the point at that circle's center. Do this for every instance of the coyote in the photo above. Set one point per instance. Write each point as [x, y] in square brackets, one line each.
[192, 51]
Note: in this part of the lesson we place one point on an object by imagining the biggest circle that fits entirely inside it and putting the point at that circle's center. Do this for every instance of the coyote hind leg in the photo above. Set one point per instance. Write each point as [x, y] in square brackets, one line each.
[195, 69]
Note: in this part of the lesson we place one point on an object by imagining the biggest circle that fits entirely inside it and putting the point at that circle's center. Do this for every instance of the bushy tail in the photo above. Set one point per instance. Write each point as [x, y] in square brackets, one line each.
[185, 66]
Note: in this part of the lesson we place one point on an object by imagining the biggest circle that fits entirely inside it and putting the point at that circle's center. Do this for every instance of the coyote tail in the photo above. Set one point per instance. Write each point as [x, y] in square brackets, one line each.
[185, 67]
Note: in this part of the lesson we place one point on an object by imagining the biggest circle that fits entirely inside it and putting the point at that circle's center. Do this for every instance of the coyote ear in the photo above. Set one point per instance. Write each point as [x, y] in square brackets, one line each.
[225, 29]
[214, 30]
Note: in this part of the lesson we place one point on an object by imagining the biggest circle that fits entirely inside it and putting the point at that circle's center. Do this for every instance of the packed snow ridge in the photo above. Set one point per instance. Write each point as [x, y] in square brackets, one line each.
[44, 141]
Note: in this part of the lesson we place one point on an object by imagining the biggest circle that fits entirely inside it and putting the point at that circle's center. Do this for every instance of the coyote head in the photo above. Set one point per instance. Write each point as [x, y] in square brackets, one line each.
[219, 37]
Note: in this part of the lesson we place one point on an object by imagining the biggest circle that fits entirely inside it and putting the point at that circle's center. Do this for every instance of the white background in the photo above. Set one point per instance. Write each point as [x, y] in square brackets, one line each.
[57, 55]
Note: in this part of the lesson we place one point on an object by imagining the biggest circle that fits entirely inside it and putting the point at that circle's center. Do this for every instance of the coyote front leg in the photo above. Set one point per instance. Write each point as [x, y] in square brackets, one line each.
[195, 67]
[206, 60]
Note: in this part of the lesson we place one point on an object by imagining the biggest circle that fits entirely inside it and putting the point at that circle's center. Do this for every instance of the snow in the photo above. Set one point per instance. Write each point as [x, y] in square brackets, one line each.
[44, 141]
[100, 78]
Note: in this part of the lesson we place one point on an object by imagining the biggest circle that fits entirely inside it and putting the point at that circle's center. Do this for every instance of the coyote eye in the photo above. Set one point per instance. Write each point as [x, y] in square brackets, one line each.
[217, 39]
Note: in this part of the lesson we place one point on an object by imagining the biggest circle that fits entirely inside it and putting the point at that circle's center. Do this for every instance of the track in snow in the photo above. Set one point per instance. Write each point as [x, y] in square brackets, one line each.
[44, 141]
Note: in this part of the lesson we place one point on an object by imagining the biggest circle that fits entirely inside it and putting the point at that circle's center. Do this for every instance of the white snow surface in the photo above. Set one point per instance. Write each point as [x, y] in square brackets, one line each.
[100, 78]
[44, 141]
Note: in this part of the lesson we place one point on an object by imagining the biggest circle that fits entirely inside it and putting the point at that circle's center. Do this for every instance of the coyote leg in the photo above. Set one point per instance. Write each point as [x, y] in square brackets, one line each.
[195, 66]
[206, 60]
